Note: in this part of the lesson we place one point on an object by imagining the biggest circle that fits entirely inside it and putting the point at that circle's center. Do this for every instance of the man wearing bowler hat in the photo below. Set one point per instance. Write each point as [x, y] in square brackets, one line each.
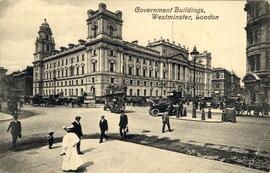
[77, 129]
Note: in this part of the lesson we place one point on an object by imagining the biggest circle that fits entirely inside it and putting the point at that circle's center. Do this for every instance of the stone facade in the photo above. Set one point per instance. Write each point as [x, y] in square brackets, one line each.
[225, 83]
[257, 78]
[105, 59]
[22, 82]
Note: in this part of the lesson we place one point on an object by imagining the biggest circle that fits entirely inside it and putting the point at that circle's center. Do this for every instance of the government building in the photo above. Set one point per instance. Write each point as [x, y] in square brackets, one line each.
[257, 78]
[105, 59]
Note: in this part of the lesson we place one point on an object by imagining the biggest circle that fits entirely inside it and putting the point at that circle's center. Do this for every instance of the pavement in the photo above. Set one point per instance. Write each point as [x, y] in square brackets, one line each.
[115, 156]
[5, 117]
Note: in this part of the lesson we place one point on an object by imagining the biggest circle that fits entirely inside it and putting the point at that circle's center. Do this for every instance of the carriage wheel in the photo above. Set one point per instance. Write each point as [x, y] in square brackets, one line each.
[155, 112]
[150, 112]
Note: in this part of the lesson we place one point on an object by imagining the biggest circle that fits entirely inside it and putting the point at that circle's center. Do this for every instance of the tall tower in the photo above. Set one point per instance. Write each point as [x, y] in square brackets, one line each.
[44, 46]
[257, 78]
[104, 23]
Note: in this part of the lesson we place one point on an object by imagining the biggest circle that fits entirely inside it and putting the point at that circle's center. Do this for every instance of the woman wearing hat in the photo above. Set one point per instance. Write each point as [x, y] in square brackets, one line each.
[71, 159]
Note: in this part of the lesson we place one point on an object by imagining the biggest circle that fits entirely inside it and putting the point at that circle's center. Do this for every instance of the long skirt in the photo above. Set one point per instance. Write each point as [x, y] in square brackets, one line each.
[71, 160]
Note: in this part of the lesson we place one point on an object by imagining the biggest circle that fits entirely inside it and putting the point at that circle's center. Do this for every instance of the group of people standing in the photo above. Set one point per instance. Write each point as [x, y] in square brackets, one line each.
[72, 140]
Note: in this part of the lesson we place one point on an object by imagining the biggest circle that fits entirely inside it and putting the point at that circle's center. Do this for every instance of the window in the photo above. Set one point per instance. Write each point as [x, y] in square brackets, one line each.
[62, 62]
[124, 81]
[138, 92]
[137, 71]
[95, 29]
[145, 83]
[156, 74]
[94, 66]
[217, 75]
[144, 92]
[130, 92]
[130, 70]
[78, 70]
[46, 37]
[94, 52]
[71, 71]
[112, 80]
[131, 82]
[150, 62]
[47, 48]
[66, 72]
[93, 80]
[78, 58]
[150, 73]
[144, 72]
[124, 69]
[66, 61]
[156, 92]
[111, 67]
[138, 82]
[111, 52]
[82, 81]
[130, 58]
[111, 30]
[82, 57]
[164, 75]
[76, 82]
[156, 64]
[82, 69]
[144, 61]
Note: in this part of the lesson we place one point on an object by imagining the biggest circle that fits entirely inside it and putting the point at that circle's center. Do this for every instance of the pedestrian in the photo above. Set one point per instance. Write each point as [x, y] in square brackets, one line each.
[209, 113]
[203, 115]
[15, 130]
[181, 109]
[103, 125]
[123, 125]
[50, 139]
[165, 121]
[77, 129]
[71, 159]
[185, 112]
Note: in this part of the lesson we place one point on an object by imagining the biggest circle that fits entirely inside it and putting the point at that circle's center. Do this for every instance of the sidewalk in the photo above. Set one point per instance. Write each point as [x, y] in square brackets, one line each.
[115, 157]
[5, 117]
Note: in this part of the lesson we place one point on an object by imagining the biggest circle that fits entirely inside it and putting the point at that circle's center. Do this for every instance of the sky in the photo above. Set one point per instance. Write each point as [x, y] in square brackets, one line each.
[225, 38]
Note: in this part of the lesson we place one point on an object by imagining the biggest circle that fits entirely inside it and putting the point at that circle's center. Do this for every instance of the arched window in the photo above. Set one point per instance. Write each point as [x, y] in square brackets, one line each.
[95, 29]
[110, 30]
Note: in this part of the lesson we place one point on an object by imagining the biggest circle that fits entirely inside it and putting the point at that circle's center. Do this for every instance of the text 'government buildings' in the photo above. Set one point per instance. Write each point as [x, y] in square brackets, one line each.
[257, 78]
[104, 59]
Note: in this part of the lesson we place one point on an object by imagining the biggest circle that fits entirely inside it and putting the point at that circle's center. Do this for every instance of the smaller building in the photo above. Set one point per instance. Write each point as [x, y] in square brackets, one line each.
[22, 82]
[225, 83]
[3, 82]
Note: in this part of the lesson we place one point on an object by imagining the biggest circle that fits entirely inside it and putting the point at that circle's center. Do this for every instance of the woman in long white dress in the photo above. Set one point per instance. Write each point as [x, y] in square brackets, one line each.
[71, 159]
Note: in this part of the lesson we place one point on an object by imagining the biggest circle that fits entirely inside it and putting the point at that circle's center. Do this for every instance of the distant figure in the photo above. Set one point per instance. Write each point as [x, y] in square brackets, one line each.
[103, 125]
[165, 121]
[203, 115]
[50, 140]
[185, 112]
[77, 129]
[15, 130]
[71, 159]
[209, 113]
[123, 125]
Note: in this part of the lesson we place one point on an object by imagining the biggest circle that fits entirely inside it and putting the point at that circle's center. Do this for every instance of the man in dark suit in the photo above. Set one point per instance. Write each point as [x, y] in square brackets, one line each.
[123, 125]
[77, 129]
[103, 125]
[15, 130]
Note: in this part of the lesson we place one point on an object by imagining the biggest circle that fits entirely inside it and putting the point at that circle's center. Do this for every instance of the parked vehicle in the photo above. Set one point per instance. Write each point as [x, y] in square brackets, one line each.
[115, 102]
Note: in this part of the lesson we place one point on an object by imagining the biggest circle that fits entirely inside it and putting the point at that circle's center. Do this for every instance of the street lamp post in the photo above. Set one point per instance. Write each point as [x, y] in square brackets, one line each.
[194, 55]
